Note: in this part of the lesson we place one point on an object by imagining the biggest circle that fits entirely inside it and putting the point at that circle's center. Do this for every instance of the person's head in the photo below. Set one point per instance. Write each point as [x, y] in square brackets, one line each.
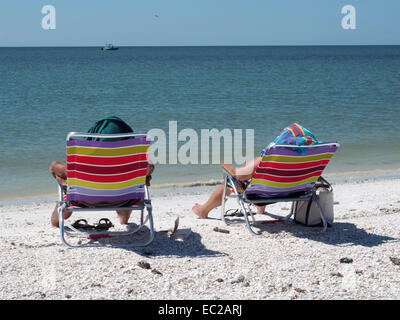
[109, 125]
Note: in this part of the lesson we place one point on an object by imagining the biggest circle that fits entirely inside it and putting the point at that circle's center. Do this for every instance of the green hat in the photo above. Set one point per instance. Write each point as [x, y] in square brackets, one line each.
[109, 125]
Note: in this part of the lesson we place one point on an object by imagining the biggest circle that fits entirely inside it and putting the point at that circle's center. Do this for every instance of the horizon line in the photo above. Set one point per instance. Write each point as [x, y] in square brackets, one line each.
[225, 45]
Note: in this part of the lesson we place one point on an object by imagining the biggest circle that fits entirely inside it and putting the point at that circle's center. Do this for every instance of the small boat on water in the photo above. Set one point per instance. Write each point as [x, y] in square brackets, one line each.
[109, 47]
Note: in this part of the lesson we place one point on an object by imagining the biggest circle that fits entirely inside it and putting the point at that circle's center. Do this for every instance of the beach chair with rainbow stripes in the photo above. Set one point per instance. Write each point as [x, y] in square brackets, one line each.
[107, 175]
[283, 175]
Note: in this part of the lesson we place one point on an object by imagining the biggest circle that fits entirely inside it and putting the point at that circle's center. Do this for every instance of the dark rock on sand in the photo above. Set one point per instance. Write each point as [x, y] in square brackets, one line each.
[155, 271]
[238, 280]
[395, 261]
[144, 264]
[216, 229]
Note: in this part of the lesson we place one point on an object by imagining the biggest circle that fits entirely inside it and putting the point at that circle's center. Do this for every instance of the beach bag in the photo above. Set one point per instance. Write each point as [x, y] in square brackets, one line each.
[308, 213]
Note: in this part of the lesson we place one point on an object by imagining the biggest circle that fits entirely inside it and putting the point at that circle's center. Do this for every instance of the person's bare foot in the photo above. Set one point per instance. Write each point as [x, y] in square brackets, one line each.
[124, 216]
[199, 211]
[54, 218]
[260, 210]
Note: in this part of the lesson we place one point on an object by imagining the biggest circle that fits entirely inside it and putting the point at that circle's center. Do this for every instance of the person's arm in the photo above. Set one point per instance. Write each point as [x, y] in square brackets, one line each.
[245, 172]
[150, 169]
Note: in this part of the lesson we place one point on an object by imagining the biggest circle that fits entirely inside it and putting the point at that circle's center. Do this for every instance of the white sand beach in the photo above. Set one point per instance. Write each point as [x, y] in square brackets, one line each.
[287, 261]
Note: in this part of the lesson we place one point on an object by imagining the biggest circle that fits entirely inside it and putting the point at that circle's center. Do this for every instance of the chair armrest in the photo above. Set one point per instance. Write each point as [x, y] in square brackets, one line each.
[227, 170]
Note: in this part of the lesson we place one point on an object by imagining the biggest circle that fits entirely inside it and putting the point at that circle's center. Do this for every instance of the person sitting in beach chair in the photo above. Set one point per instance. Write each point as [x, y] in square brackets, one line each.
[108, 125]
[294, 134]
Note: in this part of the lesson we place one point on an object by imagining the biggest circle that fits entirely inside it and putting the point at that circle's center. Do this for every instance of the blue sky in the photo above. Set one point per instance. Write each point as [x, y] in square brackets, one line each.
[198, 22]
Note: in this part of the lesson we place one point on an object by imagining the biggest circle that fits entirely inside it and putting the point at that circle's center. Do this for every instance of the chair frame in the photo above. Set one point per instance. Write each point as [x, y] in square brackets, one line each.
[242, 200]
[146, 203]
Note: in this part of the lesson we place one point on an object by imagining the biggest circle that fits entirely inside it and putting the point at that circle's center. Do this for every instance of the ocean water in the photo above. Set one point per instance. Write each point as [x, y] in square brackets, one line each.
[350, 94]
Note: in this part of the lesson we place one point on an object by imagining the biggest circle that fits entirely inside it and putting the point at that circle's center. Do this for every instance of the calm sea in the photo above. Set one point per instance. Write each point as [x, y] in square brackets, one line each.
[346, 93]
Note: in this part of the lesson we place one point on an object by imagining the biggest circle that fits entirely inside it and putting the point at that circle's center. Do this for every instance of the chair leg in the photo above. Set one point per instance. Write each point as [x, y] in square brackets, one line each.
[292, 209]
[61, 208]
[151, 223]
[241, 206]
[149, 208]
[251, 213]
[149, 218]
[275, 216]
[223, 201]
[60, 193]
[245, 214]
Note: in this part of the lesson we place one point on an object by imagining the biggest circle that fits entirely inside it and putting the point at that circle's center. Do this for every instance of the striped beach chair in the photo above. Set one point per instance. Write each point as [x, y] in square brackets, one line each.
[283, 175]
[107, 175]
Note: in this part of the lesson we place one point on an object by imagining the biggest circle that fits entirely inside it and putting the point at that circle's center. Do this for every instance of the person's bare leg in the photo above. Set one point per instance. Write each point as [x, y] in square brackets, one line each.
[54, 216]
[213, 202]
[58, 170]
[244, 173]
[124, 216]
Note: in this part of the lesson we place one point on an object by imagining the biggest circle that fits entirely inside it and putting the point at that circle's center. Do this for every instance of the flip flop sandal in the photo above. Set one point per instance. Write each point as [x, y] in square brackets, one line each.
[104, 224]
[233, 213]
[82, 224]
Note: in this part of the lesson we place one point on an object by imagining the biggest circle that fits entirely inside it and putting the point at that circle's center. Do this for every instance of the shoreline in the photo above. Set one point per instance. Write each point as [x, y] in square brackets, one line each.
[161, 189]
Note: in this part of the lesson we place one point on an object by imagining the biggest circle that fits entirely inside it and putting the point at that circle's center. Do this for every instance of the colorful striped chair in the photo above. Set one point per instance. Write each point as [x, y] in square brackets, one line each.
[105, 176]
[283, 175]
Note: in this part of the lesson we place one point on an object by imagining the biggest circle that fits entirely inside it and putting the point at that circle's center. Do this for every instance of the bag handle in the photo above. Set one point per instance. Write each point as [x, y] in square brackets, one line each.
[323, 183]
